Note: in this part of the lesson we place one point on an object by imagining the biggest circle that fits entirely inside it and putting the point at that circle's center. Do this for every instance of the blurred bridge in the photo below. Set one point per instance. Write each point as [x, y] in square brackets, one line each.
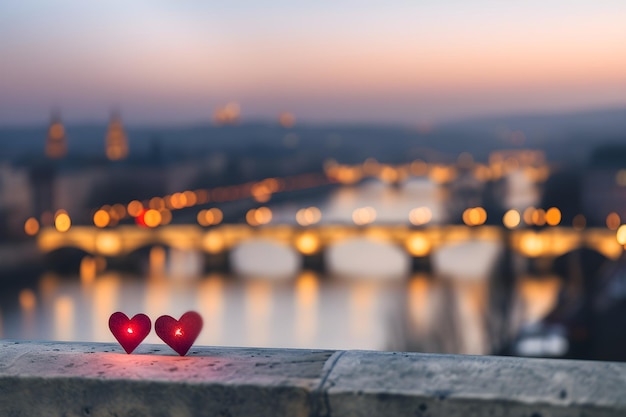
[312, 241]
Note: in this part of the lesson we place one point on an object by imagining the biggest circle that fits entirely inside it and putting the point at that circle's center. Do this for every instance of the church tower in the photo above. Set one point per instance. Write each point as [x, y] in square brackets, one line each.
[56, 145]
[116, 146]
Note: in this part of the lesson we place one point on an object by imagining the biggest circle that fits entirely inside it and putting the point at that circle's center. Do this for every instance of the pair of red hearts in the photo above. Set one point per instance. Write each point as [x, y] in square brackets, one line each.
[177, 334]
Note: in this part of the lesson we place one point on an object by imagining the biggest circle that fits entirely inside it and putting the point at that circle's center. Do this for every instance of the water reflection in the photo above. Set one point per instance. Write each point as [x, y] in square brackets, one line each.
[537, 296]
[471, 301]
[157, 260]
[424, 313]
[64, 318]
[306, 305]
[157, 298]
[103, 300]
[258, 302]
[211, 307]
[362, 308]
[88, 270]
[28, 304]
[419, 314]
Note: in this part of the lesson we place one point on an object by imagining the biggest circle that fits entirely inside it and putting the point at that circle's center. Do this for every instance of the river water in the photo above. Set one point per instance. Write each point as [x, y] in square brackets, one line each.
[462, 309]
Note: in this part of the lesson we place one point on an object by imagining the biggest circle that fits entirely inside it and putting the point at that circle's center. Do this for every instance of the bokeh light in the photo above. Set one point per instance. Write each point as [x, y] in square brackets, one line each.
[101, 218]
[364, 215]
[474, 216]
[62, 221]
[31, 226]
[134, 208]
[613, 221]
[420, 216]
[152, 218]
[553, 216]
[511, 219]
[308, 216]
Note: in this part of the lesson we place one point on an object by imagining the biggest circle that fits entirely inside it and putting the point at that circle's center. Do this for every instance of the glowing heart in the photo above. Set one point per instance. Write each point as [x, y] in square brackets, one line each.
[179, 334]
[129, 332]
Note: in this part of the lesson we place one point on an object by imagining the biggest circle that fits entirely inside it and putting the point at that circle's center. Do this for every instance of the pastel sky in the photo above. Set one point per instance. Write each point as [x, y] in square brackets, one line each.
[165, 61]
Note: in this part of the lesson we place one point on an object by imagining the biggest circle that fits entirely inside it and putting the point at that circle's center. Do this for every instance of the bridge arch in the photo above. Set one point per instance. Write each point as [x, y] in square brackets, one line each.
[364, 256]
[264, 257]
[65, 259]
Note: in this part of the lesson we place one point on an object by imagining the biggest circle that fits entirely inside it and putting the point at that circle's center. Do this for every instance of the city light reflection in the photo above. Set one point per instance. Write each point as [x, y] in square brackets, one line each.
[87, 270]
[48, 285]
[211, 306]
[419, 302]
[538, 295]
[28, 305]
[104, 301]
[156, 260]
[258, 296]
[158, 295]
[471, 302]
[64, 318]
[306, 304]
[362, 306]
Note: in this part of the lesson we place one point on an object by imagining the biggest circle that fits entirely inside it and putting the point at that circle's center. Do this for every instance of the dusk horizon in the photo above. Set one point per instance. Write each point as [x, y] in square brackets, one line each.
[352, 62]
[417, 123]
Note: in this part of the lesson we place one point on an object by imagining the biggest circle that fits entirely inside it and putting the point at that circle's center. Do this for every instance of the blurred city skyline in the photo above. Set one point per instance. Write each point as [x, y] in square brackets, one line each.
[381, 62]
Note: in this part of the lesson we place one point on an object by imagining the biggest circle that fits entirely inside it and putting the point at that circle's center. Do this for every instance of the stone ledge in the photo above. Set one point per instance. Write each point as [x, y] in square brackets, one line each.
[95, 379]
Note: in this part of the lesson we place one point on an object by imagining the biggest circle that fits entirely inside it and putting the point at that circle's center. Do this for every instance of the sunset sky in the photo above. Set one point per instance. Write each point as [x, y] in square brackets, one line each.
[164, 61]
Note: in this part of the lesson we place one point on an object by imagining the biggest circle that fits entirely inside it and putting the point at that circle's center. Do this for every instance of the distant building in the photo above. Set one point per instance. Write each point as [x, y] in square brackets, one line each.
[287, 120]
[604, 184]
[15, 200]
[56, 145]
[227, 115]
[520, 171]
[116, 144]
[42, 178]
[15, 193]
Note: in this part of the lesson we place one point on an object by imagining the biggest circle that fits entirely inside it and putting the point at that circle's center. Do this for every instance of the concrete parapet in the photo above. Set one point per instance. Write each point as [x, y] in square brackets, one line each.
[95, 379]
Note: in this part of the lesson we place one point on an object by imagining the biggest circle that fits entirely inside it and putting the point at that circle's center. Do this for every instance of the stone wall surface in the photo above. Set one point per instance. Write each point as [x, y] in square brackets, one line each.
[96, 379]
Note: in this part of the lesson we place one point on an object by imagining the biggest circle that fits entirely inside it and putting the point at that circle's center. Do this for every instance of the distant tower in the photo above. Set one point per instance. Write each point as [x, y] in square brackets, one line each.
[56, 145]
[116, 144]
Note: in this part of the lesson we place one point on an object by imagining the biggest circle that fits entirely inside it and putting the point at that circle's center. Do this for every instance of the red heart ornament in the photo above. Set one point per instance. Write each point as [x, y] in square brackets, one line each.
[129, 332]
[179, 334]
